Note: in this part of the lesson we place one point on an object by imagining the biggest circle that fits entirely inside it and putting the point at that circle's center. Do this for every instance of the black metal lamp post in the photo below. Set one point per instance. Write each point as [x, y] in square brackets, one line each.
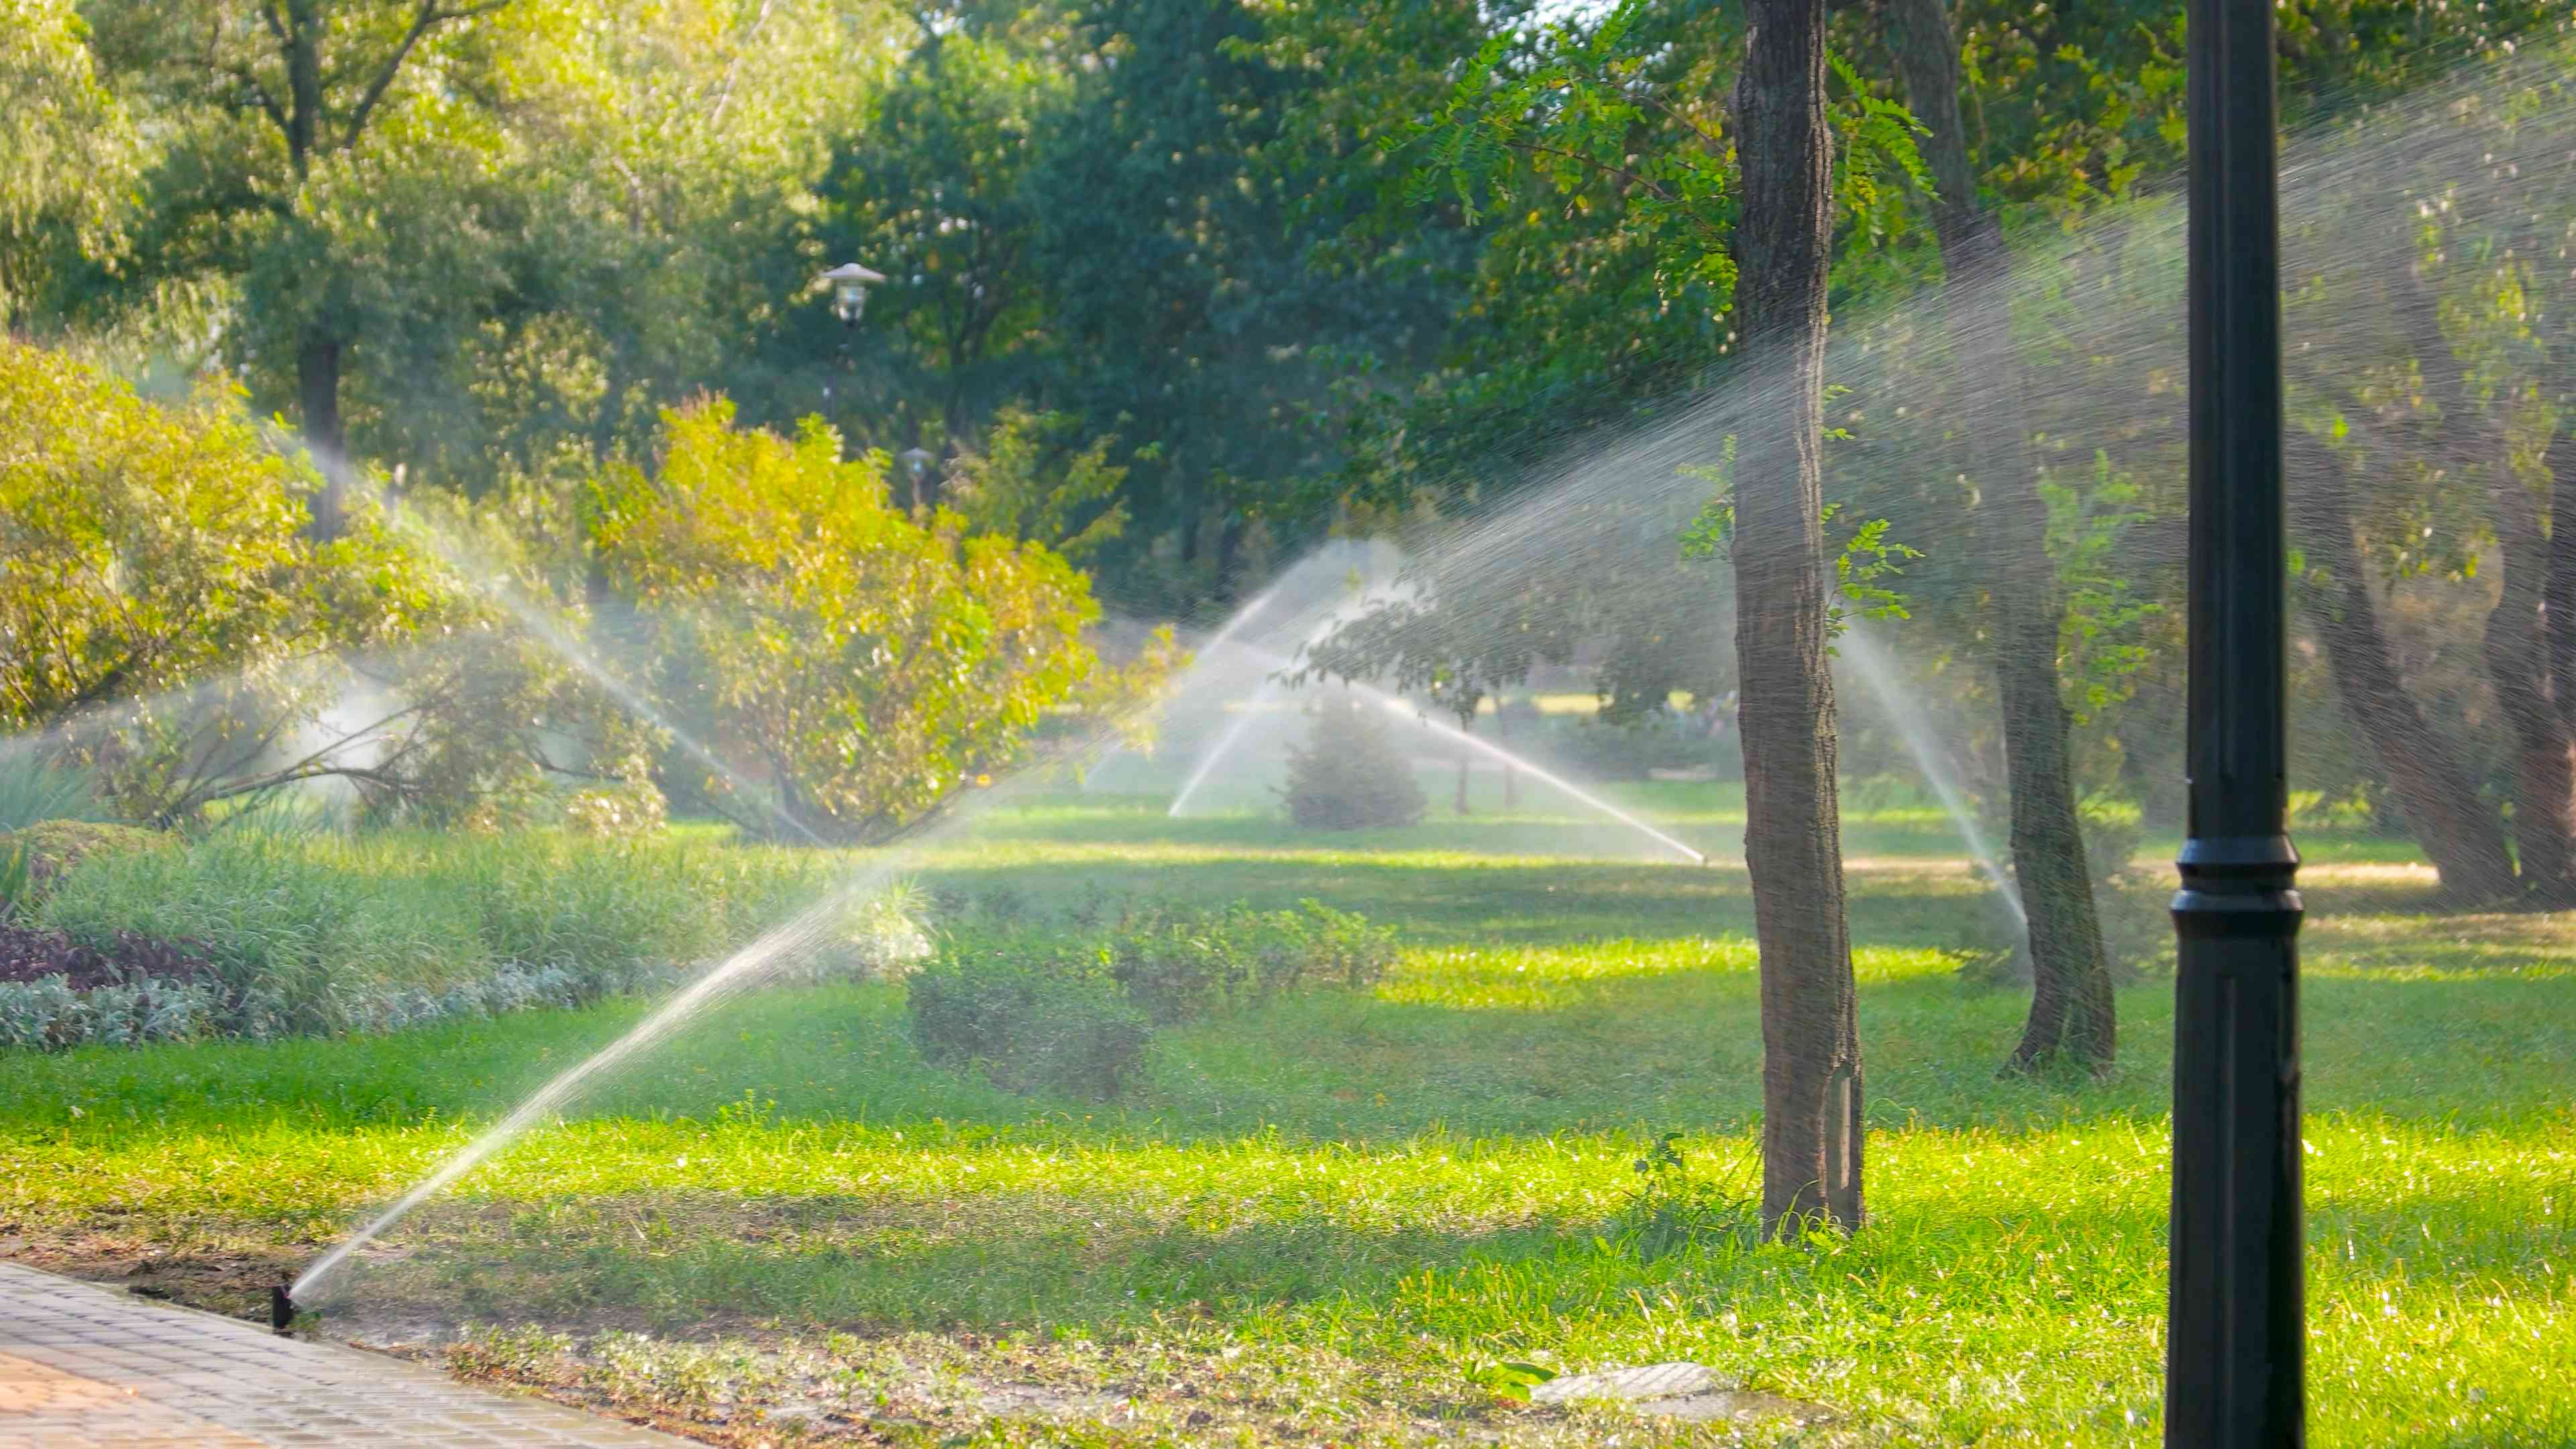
[849, 283]
[2236, 1318]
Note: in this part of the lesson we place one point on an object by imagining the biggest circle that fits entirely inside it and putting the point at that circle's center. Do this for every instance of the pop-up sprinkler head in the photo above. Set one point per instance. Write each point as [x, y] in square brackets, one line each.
[281, 1309]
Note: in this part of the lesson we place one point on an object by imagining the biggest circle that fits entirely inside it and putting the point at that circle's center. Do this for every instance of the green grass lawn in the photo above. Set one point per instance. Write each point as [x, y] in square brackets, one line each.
[1317, 1220]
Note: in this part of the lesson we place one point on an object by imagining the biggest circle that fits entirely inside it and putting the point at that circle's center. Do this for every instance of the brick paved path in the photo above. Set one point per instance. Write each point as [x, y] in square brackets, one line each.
[82, 1366]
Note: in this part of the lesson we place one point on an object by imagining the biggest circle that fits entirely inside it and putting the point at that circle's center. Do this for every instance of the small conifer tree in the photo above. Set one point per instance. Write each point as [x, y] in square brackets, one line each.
[1348, 776]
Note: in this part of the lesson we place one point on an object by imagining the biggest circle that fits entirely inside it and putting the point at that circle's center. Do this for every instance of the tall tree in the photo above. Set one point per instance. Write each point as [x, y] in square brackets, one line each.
[278, 176]
[1811, 1070]
[2071, 1010]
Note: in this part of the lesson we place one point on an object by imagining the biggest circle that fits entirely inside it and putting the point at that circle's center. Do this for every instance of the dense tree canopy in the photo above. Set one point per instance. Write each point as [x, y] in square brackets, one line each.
[1183, 287]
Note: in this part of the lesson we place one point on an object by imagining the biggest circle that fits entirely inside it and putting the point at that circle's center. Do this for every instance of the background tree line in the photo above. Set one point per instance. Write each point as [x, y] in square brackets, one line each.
[1176, 289]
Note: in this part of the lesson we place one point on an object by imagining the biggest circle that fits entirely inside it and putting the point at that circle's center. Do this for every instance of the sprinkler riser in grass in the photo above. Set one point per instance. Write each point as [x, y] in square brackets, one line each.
[741, 971]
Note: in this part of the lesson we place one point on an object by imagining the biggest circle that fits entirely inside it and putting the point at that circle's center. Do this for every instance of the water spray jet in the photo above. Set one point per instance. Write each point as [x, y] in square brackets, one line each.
[736, 973]
[1876, 672]
[540, 623]
[1406, 710]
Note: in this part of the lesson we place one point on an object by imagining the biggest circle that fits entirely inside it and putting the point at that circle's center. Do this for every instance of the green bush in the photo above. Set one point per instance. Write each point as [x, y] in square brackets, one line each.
[32, 790]
[875, 662]
[1067, 1005]
[1180, 964]
[1347, 776]
[1031, 1023]
[44, 851]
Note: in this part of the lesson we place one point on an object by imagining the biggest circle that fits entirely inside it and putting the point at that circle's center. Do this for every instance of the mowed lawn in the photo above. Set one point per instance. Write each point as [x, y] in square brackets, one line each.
[1318, 1222]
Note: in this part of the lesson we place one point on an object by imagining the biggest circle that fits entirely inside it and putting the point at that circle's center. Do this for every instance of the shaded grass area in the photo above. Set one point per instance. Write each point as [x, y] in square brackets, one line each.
[1315, 1220]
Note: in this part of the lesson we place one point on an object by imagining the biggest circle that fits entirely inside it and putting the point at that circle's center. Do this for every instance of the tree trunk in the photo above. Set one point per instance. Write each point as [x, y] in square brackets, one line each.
[2558, 622]
[1811, 1073]
[1511, 776]
[2071, 1010]
[301, 43]
[2518, 667]
[317, 387]
[2459, 834]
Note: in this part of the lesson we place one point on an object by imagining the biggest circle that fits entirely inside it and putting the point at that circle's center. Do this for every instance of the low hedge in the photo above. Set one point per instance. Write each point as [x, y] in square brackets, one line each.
[1070, 1007]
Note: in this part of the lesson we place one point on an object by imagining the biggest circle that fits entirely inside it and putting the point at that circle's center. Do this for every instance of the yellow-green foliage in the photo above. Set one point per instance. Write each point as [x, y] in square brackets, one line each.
[166, 617]
[875, 661]
[141, 547]
[155, 559]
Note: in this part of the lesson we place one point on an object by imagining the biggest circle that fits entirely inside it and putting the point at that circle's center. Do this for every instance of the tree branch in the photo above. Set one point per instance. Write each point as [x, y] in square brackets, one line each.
[423, 20]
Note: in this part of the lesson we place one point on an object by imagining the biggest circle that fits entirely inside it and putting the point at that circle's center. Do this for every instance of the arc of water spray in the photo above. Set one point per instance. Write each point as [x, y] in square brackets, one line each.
[1400, 707]
[1404, 709]
[1244, 616]
[737, 972]
[1872, 665]
[1267, 691]
[539, 622]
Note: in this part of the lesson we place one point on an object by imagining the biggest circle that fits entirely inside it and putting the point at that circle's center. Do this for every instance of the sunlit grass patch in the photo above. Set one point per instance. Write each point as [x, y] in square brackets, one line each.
[1319, 1216]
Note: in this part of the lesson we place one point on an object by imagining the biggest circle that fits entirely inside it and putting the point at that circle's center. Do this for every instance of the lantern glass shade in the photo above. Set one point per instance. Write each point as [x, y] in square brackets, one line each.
[850, 283]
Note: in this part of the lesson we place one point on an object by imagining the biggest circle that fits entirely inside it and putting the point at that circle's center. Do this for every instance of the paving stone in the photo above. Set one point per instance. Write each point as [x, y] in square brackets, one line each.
[1648, 1381]
[1678, 1391]
[83, 1367]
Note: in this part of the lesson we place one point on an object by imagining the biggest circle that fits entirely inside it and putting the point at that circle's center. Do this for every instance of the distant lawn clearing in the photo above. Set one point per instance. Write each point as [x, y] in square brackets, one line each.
[1316, 1223]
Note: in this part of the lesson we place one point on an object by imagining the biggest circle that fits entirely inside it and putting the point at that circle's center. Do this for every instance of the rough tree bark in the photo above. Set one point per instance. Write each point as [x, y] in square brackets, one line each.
[2071, 1009]
[2459, 833]
[2558, 593]
[2555, 560]
[2518, 666]
[317, 391]
[1811, 1071]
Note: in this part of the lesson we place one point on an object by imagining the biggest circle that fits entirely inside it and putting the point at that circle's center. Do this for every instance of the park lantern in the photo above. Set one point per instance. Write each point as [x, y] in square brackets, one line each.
[916, 465]
[850, 283]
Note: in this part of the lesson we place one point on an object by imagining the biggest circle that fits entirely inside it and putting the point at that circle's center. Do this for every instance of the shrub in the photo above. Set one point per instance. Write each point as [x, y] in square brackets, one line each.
[32, 953]
[873, 661]
[617, 811]
[168, 618]
[1179, 964]
[57, 992]
[48, 1012]
[1029, 1023]
[317, 931]
[1348, 776]
[1066, 1006]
